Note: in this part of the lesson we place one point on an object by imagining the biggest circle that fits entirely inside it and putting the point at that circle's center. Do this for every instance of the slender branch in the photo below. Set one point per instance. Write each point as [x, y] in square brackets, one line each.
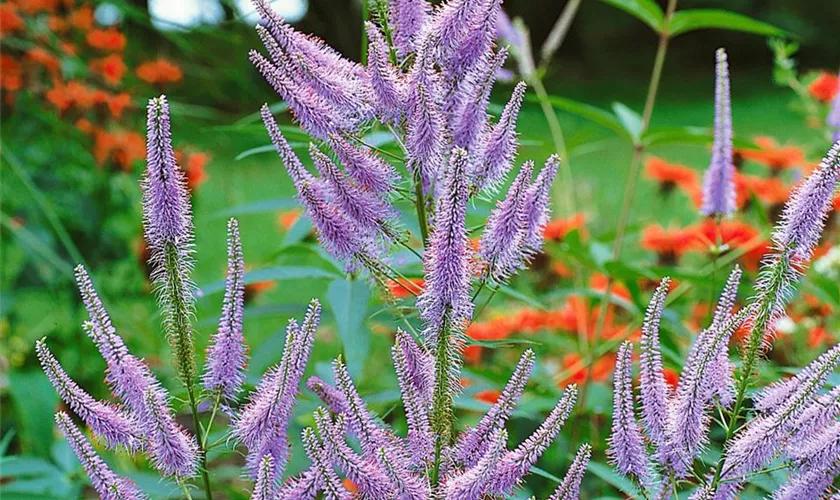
[420, 207]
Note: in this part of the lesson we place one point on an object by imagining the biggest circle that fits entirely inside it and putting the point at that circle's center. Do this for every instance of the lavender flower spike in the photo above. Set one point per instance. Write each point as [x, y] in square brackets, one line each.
[804, 215]
[655, 392]
[473, 482]
[294, 167]
[502, 144]
[328, 394]
[537, 207]
[224, 373]
[407, 18]
[626, 447]
[473, 442]
[420, 439]
[569, 489]
[364, 166]
[502, 242]
[266, 487]
[167, 222]
[719, 183]
[330, 484]
[517, 463]
[388, 88]
[108, 422]
[108, 485]
[173, 451]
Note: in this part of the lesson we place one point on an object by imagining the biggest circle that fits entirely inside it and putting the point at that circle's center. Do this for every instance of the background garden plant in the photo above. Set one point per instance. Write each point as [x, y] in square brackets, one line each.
[574, 308]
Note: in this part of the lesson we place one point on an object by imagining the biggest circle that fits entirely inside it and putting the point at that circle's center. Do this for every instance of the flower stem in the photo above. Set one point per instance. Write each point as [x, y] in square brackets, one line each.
[442, 402]
[420, 207]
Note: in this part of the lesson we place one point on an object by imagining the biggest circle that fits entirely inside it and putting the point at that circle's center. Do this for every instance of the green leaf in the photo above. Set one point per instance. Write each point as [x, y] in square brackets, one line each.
[348, 300]
[280, 273]
[34, 401]
[646, 11]
[607, 474]
[589, 112]
[685, 21]
[631, 121]
[258, 207]
[300, 230]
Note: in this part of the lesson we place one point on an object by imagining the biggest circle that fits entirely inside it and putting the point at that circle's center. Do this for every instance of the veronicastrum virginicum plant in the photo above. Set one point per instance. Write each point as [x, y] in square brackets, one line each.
[427, 81]
[793, 424]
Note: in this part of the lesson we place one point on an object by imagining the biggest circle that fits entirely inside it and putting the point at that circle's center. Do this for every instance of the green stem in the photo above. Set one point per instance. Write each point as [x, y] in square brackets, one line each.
[420, 207]
[558, 33]
[632, 181]
[442, 414]
[199, 434]
[216, 403]
[365, 18]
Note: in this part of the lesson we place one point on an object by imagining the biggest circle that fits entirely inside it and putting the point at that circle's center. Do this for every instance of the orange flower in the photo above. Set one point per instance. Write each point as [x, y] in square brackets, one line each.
[772, 191]
[825, 87]
[403, 287]
[669, 244]
[117, 103]
[598, 282]
[601, 369]
[67, 48]
[10, 20]
[106, 40]
[196, 174]
[159, 72]
[670, 175]
[255, 289]
[752, 259]
[288, 219]
[43, 58]
[82, 18]
[472, 355]
[10, 78]
[770, 154]
[37, 6]
[72, 94]
[56, 24]
[672, 378]
[818, 336]
[561, 270]
[111, 68]
[557, 229]
[85, 126]
[350, 486]
[489, 396]
[732, 233]
[122, 148]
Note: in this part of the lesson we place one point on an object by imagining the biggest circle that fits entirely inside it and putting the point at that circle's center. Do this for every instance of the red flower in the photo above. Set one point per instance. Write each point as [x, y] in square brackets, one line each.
[10, 77]
[10, 20]
[672, 378]
[489, 396]
[404, 287]
[669, 244]
[43, 58]
[732, 233]
[107, 40]
[111, 68]
[82, 18]
[288, 219]
[770, 154]
[601, 369]
[159, 72]
[824, 87]
[670, 175]
[772, 191]
[557, 229]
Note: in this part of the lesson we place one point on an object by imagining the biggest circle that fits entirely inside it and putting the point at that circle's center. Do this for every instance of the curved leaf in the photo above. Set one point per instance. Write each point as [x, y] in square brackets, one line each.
[587, 111]
[646, 11]
[685, 21]
[631, 121]
[280, 273]
[348, 301]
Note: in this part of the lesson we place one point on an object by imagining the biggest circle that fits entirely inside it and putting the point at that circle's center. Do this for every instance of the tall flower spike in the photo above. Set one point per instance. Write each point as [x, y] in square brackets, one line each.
[478, 40]
[470, 121]
[330, 484]
[654, 391]
[722, 367]
[364, 166]
[173, 451]
[108, 485]
[367, 476]
[451, 24]
[502, 246]
[387, 87]
[569, 489]
[804, 215]
[328, 394]
[517, 463]
[368, 211]
[168, 227]
[821, 455]
[501, 144]
[357, 415]
[424, 141]
[446, 295]
[265, 487]
[224, 372]
[719, 183]
[420, 439]
[816, 417]
[473, 442]
[407, 19]
[537, 205]
[419, 364]
[108, 422]
[473, 482]
[294, 167]
[262, 424]
[626, 447]
[337, 235]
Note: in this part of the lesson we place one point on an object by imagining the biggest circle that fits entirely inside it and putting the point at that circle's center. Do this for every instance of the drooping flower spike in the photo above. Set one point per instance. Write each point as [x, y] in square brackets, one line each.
[626, 445]
[224, 372]
[502, 244]
[719, 182]
[569, 489]
[107, 485]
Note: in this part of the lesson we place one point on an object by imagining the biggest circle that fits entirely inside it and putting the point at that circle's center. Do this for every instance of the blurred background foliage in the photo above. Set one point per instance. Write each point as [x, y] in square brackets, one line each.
[72, 154]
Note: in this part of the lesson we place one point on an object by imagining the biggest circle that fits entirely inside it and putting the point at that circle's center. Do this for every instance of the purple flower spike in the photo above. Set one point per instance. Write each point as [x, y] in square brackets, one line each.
[470, 122]
[517, 463]
[173, 451]
[833, 118]
[626, 446]
[805, 213]
[446, 295]
[358, 417]
[811, 484]
[339, 236]
[330, 484]
[721, 367]
[367, 476]
[107, 421]
[166, 201]
[478, 41]
[266, 487]
[296, 170]
[502, 246]
[425, 139]
[419, 364]
[328, 394]
[501, 145]
[367, 210]
[569, 489]
[416, 402]
[719, 183]
[452, 22]
[227, 356]
[654, 390]
[107, 485]
[537, 206]
[407, 19]
[364, 166]
[262, 424]
[473, 482]
[386, 84]
[816, 418]
[473, 442]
